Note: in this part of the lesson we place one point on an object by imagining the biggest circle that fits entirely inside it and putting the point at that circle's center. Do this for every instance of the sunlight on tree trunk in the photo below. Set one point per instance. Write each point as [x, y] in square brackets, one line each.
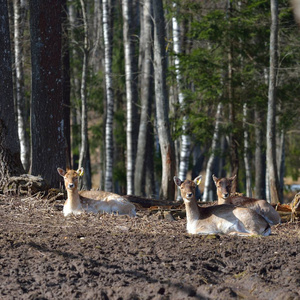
[84, 158]
[185, 139]
[130, 155]
[109, 96]
[19, 20]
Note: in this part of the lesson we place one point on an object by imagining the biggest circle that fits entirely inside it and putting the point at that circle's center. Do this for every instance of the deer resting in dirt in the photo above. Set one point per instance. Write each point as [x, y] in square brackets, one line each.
[260, 206]
[222, 219]
[91, 201]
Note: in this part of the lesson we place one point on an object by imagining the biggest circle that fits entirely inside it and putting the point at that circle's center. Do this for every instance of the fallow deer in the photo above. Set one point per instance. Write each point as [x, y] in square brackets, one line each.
[91, 201]
[223, 219]
[262, 207]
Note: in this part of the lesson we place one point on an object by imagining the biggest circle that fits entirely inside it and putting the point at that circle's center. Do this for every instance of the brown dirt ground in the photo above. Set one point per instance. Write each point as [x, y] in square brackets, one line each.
[46, 256]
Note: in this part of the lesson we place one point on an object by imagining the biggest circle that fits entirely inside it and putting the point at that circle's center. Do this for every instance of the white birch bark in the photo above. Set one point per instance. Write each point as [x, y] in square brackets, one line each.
[19, 20]
[126, 4]
[246, 152]
[109, 97]
[75, 83]
[207, 195]
[185, 139]
[84, 148]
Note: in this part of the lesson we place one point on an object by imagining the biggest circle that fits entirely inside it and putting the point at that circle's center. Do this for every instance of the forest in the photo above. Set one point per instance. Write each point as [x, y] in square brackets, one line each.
[136, 92]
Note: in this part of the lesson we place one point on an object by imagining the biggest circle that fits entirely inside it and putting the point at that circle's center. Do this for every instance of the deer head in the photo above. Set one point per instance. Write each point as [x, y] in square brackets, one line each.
[70, 177]
[187, 187]
[223, 186]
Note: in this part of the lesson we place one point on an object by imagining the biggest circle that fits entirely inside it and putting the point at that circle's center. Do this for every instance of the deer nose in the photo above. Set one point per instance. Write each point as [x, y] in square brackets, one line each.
[189, 195]
[225, 195]
[70, 185]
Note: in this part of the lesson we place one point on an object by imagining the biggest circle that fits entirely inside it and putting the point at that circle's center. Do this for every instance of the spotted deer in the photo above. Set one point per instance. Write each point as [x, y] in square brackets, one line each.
[91, 201]
[262, 207]
[223, 219]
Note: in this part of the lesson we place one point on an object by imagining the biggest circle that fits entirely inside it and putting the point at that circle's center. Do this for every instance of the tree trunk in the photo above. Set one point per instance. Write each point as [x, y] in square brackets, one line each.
[10, 162]
[271, 128]
[247, 152]
[109, 95]
[84, 160]
[280, 146]
[260, 170]
[146, 96]
[210, 164]
[23, 126]
[131, 94]
[75, 91]
[47, 112]
[66, 84]
[97, 52]
[185, 139]
[163, 127]
[233, 145]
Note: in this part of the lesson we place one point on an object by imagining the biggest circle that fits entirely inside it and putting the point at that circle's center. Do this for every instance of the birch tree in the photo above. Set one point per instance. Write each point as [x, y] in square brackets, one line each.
[210, 164]
[84, 157]
[163, 127]
[19, 22]
[131, 94]
[271, 128]
[185, 139]
[10, 163]
[109, 95]
[146, 96]
[75, 83]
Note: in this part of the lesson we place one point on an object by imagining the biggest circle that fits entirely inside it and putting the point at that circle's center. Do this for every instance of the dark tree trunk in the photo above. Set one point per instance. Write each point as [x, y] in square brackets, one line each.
[10, 162]
[47, 110]
[260, 165]
[146, 53]
[162, 108]
[66, 86]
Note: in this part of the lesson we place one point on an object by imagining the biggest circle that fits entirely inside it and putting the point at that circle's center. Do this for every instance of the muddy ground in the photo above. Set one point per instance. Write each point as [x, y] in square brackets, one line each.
[46, 256]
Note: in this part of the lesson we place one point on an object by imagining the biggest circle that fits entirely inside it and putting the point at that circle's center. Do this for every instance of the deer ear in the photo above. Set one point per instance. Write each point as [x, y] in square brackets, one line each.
[215, 179]
[61, 172]
[80, 171]
[197, 180]
[177, 181]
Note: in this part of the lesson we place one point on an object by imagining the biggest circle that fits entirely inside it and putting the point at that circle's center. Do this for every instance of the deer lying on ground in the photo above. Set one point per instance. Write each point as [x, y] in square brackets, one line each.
[91, 201]
[262, 207]
[224, 219]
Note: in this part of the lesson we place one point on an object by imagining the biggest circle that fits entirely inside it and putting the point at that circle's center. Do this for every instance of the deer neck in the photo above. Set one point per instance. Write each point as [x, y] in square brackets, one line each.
[192, 210]
[73, 200]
